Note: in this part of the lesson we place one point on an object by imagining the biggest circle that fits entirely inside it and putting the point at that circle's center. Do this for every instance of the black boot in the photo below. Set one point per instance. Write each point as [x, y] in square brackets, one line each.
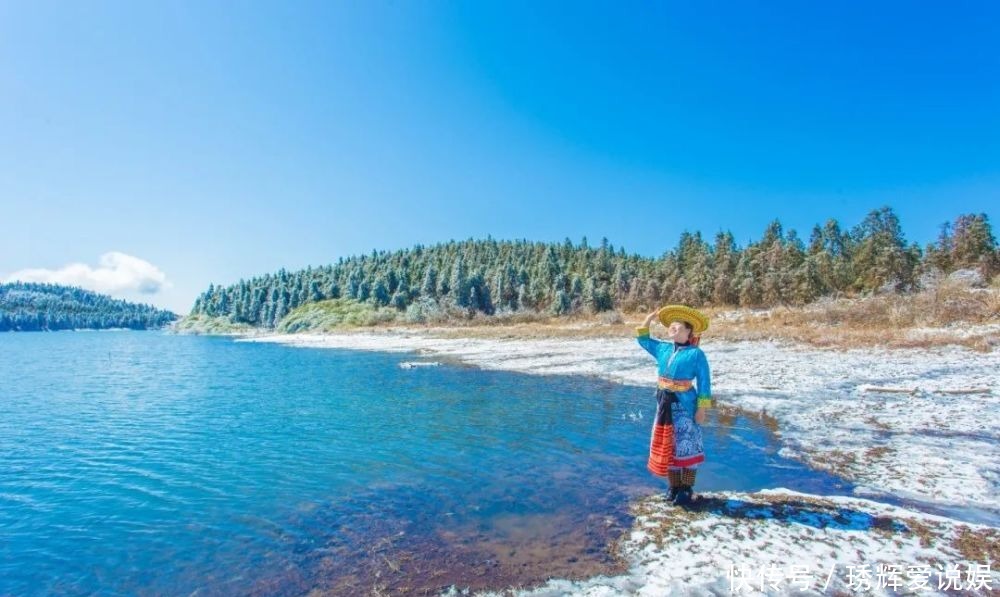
[674, 476]
[684, 495]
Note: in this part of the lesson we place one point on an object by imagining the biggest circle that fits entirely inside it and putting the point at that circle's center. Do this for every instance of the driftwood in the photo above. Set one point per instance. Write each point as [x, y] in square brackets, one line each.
[968, 391]
[919, 390]
[891, 390]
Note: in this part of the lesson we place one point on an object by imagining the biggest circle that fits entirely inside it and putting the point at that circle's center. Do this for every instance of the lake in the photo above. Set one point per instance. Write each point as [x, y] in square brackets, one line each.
[145, 463]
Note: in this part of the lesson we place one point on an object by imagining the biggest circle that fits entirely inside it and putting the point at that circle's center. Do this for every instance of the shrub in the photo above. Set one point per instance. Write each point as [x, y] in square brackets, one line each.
[328, 314]
[610, 318]
[423, 310]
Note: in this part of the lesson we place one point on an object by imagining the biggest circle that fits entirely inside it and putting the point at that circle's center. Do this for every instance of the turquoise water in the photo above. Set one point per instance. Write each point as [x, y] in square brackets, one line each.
[142, 463]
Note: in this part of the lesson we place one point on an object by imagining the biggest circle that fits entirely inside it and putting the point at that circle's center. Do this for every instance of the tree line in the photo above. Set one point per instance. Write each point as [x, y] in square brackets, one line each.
[40, 307]
[491, 276]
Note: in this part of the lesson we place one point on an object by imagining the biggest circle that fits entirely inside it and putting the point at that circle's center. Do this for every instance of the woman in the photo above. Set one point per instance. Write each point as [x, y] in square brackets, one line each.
[683, 396]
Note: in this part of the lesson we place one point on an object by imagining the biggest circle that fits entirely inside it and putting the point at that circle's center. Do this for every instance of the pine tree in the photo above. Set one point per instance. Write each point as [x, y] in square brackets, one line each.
[746, 283]
[974, 244]
[682, 293]
[280, 310]
[882, 259]
[459, 284]
[523, 297]
[429, 286]
[364, 290]
[770, 263]
[797, 286]
[726, 255]
[392, 280]
[651, 294]
[620, 284]
[380, 293]
[315, 295]
[561, 304]
[398, 300]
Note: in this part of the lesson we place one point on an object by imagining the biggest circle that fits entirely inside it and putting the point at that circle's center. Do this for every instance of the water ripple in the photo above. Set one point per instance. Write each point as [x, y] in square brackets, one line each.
[148, 464]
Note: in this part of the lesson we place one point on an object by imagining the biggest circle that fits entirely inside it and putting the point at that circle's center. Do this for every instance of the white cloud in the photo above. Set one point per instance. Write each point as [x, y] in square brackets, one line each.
[116, 273]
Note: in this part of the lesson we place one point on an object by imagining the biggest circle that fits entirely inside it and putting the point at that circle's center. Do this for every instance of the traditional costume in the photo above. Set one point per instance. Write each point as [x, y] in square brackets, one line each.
[684, 384]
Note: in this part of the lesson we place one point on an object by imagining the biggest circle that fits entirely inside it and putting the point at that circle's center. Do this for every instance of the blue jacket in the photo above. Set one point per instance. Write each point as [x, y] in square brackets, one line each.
[682, 363]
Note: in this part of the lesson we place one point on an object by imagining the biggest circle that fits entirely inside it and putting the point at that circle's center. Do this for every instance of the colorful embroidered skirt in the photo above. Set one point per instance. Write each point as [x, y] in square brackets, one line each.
[676, 441]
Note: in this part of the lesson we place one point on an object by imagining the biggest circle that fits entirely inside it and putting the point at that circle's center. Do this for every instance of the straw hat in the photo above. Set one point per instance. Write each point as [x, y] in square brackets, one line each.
[699, 323]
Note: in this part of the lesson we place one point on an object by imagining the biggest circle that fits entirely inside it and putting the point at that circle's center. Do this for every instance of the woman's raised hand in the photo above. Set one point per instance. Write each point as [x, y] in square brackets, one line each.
[651, 317]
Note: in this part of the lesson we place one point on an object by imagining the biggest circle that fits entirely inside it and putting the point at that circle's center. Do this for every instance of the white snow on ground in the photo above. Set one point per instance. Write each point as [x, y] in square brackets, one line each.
[829, 404]
[781, 542]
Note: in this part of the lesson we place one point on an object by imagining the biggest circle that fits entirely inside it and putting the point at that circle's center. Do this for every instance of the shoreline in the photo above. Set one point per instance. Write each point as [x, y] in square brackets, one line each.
[783, 542]
[886, 442]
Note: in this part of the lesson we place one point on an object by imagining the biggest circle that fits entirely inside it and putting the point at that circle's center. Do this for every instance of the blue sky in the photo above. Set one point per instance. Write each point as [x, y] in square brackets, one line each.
[211, 144]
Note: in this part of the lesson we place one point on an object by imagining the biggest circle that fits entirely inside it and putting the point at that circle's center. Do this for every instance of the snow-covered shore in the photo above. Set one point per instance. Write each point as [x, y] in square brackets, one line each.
[885, 419]
[781, 542]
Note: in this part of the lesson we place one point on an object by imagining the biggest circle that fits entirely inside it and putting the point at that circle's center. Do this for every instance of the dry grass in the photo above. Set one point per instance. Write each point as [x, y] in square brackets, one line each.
[877, 452]
[980, 545]
[950, 314]
[673, 524]
[835, 461]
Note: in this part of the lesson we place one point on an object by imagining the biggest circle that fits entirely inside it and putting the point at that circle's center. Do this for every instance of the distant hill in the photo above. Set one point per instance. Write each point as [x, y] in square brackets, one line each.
[40, 307]
[453, 280]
